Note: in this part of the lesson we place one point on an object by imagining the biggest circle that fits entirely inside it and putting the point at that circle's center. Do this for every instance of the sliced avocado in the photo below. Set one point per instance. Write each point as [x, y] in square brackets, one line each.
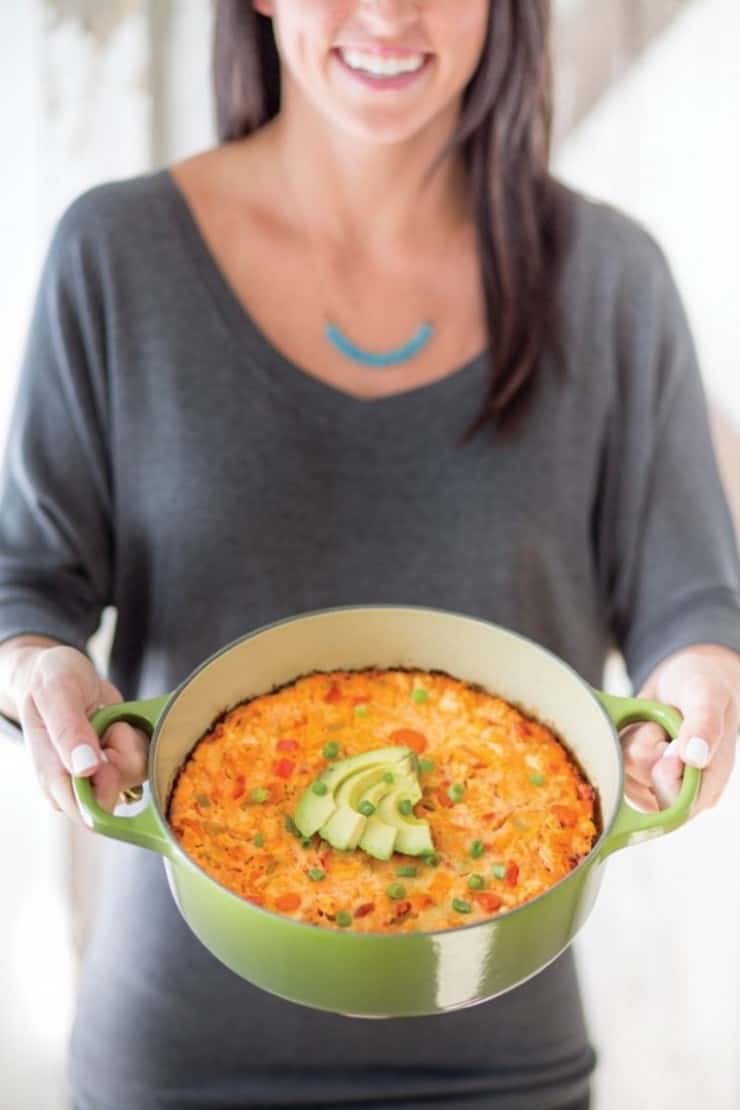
[378, 839]
[356, 788]
[344, 828]
[340, 770]
[335, 814]
[314, 810]
[414, 836]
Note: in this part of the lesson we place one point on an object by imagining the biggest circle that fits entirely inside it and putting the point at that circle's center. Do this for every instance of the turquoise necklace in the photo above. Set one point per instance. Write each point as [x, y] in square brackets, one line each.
[373, 359]
[386, 358]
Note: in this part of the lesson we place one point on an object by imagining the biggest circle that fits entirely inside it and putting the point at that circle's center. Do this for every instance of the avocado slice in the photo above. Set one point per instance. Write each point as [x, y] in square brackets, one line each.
[378, 838]
[341, 770]
[414, 835]
[355, 789]
[314, 810]
[335, 814]
[344, 828]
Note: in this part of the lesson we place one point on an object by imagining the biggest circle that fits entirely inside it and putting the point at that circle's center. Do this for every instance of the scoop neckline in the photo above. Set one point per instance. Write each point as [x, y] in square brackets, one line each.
[286, 378]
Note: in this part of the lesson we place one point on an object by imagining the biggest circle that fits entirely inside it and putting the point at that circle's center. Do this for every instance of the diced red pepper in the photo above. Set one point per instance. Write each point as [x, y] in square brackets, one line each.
[288, 902]
[287, 745]
[489, 902]
[364, 909]
[585, 791]
[333, 693]
[512, 874]
[360, 699]
[523, 729]
[402, 908]
[409, 738]
[239, 786]
[283, 768]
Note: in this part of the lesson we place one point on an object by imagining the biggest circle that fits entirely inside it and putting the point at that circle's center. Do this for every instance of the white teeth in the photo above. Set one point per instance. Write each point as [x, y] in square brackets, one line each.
[383, 67]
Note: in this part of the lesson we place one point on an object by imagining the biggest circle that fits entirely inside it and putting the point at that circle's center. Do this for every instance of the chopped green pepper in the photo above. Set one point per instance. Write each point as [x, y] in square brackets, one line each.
[499, 870]
[477, 848]
[259, 794]
[396, 890]
[476, 882]
[389, 777]
[405, 806]
[319, 788]
[408, 871]
[259, 840]
[343, 918]
[537, 779]
[316, 873]
[461, 905]
[419, 694]
[366, 808]
[455, 792]
[330, 750]
[361, 710]
[426, 765]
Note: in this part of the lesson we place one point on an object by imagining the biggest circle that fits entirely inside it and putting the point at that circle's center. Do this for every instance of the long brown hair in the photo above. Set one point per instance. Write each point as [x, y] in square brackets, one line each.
[504, 131]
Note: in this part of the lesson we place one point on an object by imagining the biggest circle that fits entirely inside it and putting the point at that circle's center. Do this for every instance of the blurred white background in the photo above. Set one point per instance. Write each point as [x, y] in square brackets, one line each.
[92, 91]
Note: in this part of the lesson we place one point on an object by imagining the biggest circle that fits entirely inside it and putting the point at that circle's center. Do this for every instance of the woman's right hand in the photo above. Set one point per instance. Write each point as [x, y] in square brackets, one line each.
[59, 690]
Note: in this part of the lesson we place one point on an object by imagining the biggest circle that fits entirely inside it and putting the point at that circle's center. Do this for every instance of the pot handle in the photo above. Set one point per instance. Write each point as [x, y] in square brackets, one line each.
[144, 828]
[630, 825]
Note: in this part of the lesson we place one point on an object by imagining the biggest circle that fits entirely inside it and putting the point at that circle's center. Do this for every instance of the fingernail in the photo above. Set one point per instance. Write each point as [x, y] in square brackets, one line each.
[83, 758]
[697, 752]
[104, 757]
[672, 748]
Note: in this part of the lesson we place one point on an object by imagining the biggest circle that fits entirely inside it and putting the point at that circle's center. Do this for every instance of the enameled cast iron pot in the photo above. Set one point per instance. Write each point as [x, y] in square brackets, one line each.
[378, 974]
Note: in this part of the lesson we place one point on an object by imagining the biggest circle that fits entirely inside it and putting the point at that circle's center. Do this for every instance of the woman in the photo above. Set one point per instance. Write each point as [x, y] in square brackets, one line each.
[228, 414]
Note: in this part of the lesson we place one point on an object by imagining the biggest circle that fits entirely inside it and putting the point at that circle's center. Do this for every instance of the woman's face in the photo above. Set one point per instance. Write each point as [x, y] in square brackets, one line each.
[313, 36]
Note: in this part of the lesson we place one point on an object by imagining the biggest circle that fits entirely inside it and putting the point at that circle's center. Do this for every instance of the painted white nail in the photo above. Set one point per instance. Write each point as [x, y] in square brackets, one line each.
[104, 757]
[697, 752]
[82, 759]
[672, 748]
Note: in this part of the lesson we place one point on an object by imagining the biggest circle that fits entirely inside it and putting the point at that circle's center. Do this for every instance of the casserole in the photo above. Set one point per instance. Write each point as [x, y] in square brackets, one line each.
[371, 974]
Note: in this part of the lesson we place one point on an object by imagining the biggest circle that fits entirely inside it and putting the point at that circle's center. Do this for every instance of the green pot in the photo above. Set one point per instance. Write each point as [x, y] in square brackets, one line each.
[378, 974]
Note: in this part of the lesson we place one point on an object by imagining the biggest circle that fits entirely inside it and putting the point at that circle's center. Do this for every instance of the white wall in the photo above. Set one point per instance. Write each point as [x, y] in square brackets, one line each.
[663, 145]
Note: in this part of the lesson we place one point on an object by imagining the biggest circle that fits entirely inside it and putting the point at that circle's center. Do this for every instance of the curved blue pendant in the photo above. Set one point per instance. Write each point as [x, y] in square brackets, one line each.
[388, 358]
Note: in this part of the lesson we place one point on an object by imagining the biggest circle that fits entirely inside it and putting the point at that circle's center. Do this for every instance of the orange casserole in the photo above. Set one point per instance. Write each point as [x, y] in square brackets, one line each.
[509, 810]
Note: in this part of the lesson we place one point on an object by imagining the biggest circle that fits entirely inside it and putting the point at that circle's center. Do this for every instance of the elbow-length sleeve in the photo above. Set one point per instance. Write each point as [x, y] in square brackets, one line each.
[666, 549]
[55, 498]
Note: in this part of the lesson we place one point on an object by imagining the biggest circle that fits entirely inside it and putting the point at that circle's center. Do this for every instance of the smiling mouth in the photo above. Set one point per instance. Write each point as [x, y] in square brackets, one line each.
[382, 73]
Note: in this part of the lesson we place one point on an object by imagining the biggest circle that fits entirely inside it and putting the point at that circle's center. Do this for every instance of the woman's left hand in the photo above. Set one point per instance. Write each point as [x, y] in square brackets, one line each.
[703, 683]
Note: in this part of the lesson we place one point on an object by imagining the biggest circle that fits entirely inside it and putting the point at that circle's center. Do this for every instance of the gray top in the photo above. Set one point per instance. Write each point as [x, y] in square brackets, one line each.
[165, 458]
